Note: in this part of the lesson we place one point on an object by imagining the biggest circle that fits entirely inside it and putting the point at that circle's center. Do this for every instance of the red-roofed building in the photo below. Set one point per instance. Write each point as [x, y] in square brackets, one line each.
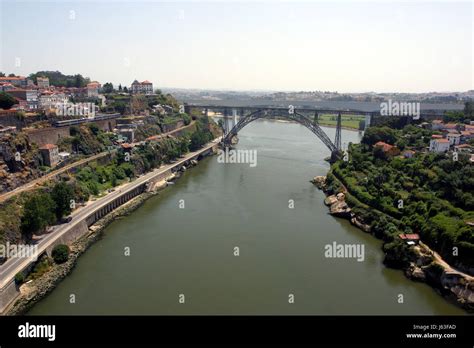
[449, 127]
[93, 89]
[18, 81]
[410, 238]
[387, 148]
[145, 87]
[127, 147]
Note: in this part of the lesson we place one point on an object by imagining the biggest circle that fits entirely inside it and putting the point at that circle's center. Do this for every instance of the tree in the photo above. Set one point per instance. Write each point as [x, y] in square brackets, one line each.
[125, 89]
[60, 253]
[108, 87]
[11, 75]
[2, 74]
[469, 110]
[6, 101]
[62, 194]
[38, 212]
[375, 134]
[120, 88]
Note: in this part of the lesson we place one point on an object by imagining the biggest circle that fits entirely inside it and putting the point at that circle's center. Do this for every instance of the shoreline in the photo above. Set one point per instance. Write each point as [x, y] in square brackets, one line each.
[425, 267]
[34, 291]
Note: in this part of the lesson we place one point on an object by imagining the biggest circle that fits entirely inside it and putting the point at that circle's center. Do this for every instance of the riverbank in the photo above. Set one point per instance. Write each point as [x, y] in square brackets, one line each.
[35, 290]
[423, 265]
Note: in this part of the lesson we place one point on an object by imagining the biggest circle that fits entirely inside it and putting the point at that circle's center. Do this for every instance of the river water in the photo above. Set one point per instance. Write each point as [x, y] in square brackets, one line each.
[190, 250]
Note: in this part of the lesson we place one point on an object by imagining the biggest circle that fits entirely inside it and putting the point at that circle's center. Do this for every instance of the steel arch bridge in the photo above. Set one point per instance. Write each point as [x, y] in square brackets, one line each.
[334, 147]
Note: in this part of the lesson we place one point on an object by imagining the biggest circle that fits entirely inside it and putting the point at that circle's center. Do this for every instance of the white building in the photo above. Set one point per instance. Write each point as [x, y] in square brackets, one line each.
[93, 89]
[49, 100]
[439, 145]
[454, 138]
[42, 82]
[145, 87]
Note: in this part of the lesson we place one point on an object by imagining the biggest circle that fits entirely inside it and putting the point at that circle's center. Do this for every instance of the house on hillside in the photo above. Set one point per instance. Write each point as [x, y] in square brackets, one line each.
[439, 145]
[388, 149]
[50, 154]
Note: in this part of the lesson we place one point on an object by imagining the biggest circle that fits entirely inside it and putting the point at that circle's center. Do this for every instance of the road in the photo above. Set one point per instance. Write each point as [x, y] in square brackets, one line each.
[12, 266]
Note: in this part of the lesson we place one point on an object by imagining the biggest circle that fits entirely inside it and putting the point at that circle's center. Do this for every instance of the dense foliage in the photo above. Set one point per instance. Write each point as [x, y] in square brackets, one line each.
[58, 79]
[60, 253]
[437, 193]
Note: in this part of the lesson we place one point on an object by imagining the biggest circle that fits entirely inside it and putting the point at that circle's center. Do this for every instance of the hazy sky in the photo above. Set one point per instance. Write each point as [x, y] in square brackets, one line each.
[345, 46]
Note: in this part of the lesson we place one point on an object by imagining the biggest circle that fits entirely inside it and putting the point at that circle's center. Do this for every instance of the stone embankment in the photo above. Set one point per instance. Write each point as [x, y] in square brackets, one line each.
[425, 265]
[337, 204]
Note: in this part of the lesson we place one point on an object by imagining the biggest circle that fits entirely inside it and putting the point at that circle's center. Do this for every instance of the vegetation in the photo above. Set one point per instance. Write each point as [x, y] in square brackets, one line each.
[62, 194]
[38, 213]
[6, 101]
[437, 193]
[60, 253]
[58, 79]
[348, 121]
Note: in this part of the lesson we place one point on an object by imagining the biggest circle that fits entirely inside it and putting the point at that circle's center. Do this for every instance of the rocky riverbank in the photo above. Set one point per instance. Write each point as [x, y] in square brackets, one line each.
[33, 291]
[423, 264]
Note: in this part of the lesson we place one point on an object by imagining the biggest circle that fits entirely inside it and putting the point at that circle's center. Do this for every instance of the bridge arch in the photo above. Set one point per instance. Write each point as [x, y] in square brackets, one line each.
[295, 116]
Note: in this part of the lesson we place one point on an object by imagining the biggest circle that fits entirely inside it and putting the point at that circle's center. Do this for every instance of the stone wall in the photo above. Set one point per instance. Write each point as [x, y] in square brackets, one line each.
[51, 135]
[8, 295]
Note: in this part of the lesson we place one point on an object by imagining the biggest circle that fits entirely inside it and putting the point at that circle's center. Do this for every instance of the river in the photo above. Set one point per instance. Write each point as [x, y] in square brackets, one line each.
[190, 251]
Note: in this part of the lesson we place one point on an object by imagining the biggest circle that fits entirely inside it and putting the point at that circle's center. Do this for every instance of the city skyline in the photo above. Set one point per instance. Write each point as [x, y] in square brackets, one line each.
[354, 47]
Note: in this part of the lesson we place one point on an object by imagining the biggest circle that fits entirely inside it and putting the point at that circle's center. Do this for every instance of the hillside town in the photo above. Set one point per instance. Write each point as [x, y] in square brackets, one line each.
[446, 137]
[46, 122]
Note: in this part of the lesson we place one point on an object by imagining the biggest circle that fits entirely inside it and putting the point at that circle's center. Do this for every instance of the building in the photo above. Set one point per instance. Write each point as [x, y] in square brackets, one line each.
[408, 153]
[388, 149]
[410, 238]
[454, 138]
[93, 89]
[7, 129]
[17, 81]
[6, 86]
[49, 100]
[42, 82]
[50, 154]
[437, 124]
[26, 97]
[466, 136]
[439, 145]
[145, 87]
[449, 127]
[128, 134]
[465, 148]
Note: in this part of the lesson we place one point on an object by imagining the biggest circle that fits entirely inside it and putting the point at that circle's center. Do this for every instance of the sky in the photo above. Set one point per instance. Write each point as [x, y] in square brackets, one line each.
[344, 46]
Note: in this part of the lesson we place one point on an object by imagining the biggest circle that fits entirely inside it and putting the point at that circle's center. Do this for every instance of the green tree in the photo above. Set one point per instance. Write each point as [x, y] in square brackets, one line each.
[38, 213]
[62, 194]
[108, 87]
[60, 253]
[6, 101]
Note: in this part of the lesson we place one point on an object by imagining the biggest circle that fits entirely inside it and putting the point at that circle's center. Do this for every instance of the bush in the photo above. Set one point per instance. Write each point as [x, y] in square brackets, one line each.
[19, 278]
[60, 253]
